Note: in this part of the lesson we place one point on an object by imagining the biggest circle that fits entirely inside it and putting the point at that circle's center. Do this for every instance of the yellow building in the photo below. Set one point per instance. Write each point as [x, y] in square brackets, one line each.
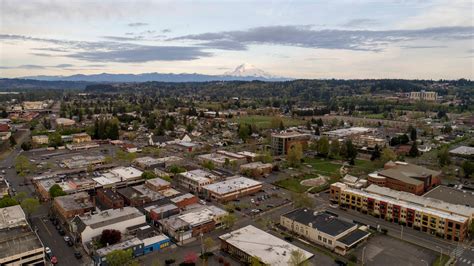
[446, 220]
[81, 137]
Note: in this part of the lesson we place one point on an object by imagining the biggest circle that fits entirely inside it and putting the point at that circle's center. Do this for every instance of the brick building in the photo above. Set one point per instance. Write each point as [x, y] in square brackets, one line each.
[66, 207]
[110, 198]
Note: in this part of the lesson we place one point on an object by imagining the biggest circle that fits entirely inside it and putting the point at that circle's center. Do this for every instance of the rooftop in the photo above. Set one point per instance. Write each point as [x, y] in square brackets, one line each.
[353, 237]
[322, 222]
[76, 201]
[451, 195]
[182, 197]
[18, 240]
[463, 150]
[119, 246]
[158, 182]
[408, 173]
[289, 134]
[201, 216]
[199, 175]
[109, 217]
[11, 217]
[126, 172]
[257, 243]
[344, 132]
[231, 185]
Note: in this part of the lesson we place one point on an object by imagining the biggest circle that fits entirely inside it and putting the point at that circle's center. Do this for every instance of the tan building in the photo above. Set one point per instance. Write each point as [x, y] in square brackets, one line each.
[81, 137]
[423, 95]
[40, 139]
[368, 141]
[282, 142]
[436, 217]
[256, 169]
[232, 188]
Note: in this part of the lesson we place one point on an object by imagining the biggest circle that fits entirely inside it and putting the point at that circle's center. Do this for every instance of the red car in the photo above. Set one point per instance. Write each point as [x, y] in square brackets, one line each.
[54, 260]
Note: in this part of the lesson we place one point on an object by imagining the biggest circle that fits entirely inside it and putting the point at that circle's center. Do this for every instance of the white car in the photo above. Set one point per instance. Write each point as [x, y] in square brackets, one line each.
[48, 251]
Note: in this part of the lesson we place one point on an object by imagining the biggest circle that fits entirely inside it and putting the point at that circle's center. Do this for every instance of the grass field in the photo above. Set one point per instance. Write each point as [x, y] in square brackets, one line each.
[364, 167]
[293, 183]
[264, 122]
[324, 167]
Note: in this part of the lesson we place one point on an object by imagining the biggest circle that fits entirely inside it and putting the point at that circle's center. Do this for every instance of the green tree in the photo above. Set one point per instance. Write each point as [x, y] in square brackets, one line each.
[244, 131]
[301, 200]
[30, 205]
[208, 165]
[176, 169]
[388, 155]
[297, 258]
[351, 152]
[229, 220]
[412, 132]
[208, 244]
[375, 153]
[266, 157]
[55, 140]
[323, 146]
[7, 201]
[255, 261]
[443, 156]
[275, 122]
[56, 191]
[148, 175]
[12, 141]
[22, 165]
[468, 168]
[413, 150]
[294, 155]
[334, 148]
[121, 258]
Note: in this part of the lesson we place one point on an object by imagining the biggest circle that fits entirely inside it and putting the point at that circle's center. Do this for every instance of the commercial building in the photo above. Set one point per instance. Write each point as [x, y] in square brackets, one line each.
[223, 159]
[446, 220]
[184, 200]
[157, 184]
[423, 95]
[194, 180]
[249, 242]
[66, 207]
[79, 161]
[89, 226]
[451, 195]
[256, 169]
[405, 177]
[147, 162]
[463, 151]
[368, 142]
[343, 133]
[282, 142]
[81, 137]
[64, 122]
[156, 213]
[323, 229]
[109, 198]
[134, 244]
[40, 139]
[19, 245]
[192, 223]
[232, 188]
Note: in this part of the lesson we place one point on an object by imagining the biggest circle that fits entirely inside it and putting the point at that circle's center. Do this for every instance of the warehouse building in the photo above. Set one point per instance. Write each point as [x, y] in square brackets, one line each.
[232, 188]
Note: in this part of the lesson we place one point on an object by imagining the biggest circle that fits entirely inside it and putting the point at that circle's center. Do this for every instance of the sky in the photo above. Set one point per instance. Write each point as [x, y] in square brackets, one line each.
[412, 39]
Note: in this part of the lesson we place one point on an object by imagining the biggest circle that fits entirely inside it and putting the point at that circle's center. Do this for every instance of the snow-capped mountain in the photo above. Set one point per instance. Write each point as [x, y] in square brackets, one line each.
[247, 70]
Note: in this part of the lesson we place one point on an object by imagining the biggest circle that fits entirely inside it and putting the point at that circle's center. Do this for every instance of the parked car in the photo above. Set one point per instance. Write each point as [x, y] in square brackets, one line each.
[67, 238]
[54, 260]
[61, 232]
[48, 252]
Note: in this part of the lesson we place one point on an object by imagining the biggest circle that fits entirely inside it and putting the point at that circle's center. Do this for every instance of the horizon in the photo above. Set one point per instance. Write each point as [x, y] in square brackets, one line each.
[422, 40]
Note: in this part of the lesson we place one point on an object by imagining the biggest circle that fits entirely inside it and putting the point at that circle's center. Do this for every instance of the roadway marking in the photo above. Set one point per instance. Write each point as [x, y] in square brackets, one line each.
[46, 227]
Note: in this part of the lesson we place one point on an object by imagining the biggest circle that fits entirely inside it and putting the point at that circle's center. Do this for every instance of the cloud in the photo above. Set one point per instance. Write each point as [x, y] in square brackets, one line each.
[422, 46]
[121, 38]
[304, 36]
[360, 22]
[36, 66]
[137, 24]
[141, 53]
[165, 30]
[63, 66]
[112, 51]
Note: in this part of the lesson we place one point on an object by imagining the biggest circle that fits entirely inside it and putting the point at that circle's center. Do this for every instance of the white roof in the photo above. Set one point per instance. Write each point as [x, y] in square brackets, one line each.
[12, 216]
[200, 216]
[342, 132]
[126, 172]
[270, 249]
[463, 150]
[103, 180]
[154, 239]
[231, 185]
[199, 175]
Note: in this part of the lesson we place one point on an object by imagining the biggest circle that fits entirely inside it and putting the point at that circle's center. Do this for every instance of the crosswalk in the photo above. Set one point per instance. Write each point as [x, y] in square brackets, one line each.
[464, 255]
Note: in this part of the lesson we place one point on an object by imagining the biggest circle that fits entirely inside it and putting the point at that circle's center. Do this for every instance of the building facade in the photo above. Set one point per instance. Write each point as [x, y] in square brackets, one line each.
[282, 142]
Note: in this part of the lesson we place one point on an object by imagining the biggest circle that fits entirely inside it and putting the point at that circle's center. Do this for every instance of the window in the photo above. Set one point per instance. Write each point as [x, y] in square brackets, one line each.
[330, 242]
[319, 238]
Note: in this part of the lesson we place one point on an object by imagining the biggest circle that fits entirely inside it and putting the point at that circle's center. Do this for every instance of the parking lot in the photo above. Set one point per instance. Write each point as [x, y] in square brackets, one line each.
[385, 250]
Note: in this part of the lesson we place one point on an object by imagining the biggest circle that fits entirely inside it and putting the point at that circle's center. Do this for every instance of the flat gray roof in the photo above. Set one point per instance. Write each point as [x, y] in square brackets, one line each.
[451, 195]
[18, 240]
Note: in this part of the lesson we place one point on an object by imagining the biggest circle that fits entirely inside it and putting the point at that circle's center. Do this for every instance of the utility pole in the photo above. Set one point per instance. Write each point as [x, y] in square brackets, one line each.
[363, 255]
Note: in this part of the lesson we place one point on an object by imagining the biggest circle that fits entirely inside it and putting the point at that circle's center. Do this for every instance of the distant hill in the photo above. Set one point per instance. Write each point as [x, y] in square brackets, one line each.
[238, 75]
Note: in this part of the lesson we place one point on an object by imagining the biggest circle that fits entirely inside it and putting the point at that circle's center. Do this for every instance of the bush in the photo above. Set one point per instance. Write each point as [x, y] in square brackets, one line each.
[353, 258]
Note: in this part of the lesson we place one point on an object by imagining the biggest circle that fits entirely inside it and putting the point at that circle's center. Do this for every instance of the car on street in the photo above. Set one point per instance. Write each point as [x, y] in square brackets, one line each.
[48, 252]
[61, 231]
[67, 238]
[54, 260]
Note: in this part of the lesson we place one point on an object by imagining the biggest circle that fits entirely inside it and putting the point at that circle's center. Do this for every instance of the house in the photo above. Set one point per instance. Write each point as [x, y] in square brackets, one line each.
[256, 169]
[269, 249]
[68, 206]
[5, 132]
[323, 229]
[81, 138]
[85, 228]
[109, 198]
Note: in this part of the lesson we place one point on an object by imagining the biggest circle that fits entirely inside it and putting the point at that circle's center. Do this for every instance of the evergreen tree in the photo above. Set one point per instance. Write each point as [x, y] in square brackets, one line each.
[413, 150]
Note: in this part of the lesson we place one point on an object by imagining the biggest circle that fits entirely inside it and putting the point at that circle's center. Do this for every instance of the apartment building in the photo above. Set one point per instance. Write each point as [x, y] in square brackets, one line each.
[282, 142]
[445, 220]
[423, 95]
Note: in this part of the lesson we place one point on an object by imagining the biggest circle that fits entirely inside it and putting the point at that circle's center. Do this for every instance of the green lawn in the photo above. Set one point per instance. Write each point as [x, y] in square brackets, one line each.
[323, 166]
[441, 260]
[264, 122]
[364, 167]
[293, 184]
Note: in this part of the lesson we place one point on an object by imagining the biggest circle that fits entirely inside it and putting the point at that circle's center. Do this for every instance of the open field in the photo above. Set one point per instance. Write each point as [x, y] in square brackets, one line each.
[264, 122]
[324, 167]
